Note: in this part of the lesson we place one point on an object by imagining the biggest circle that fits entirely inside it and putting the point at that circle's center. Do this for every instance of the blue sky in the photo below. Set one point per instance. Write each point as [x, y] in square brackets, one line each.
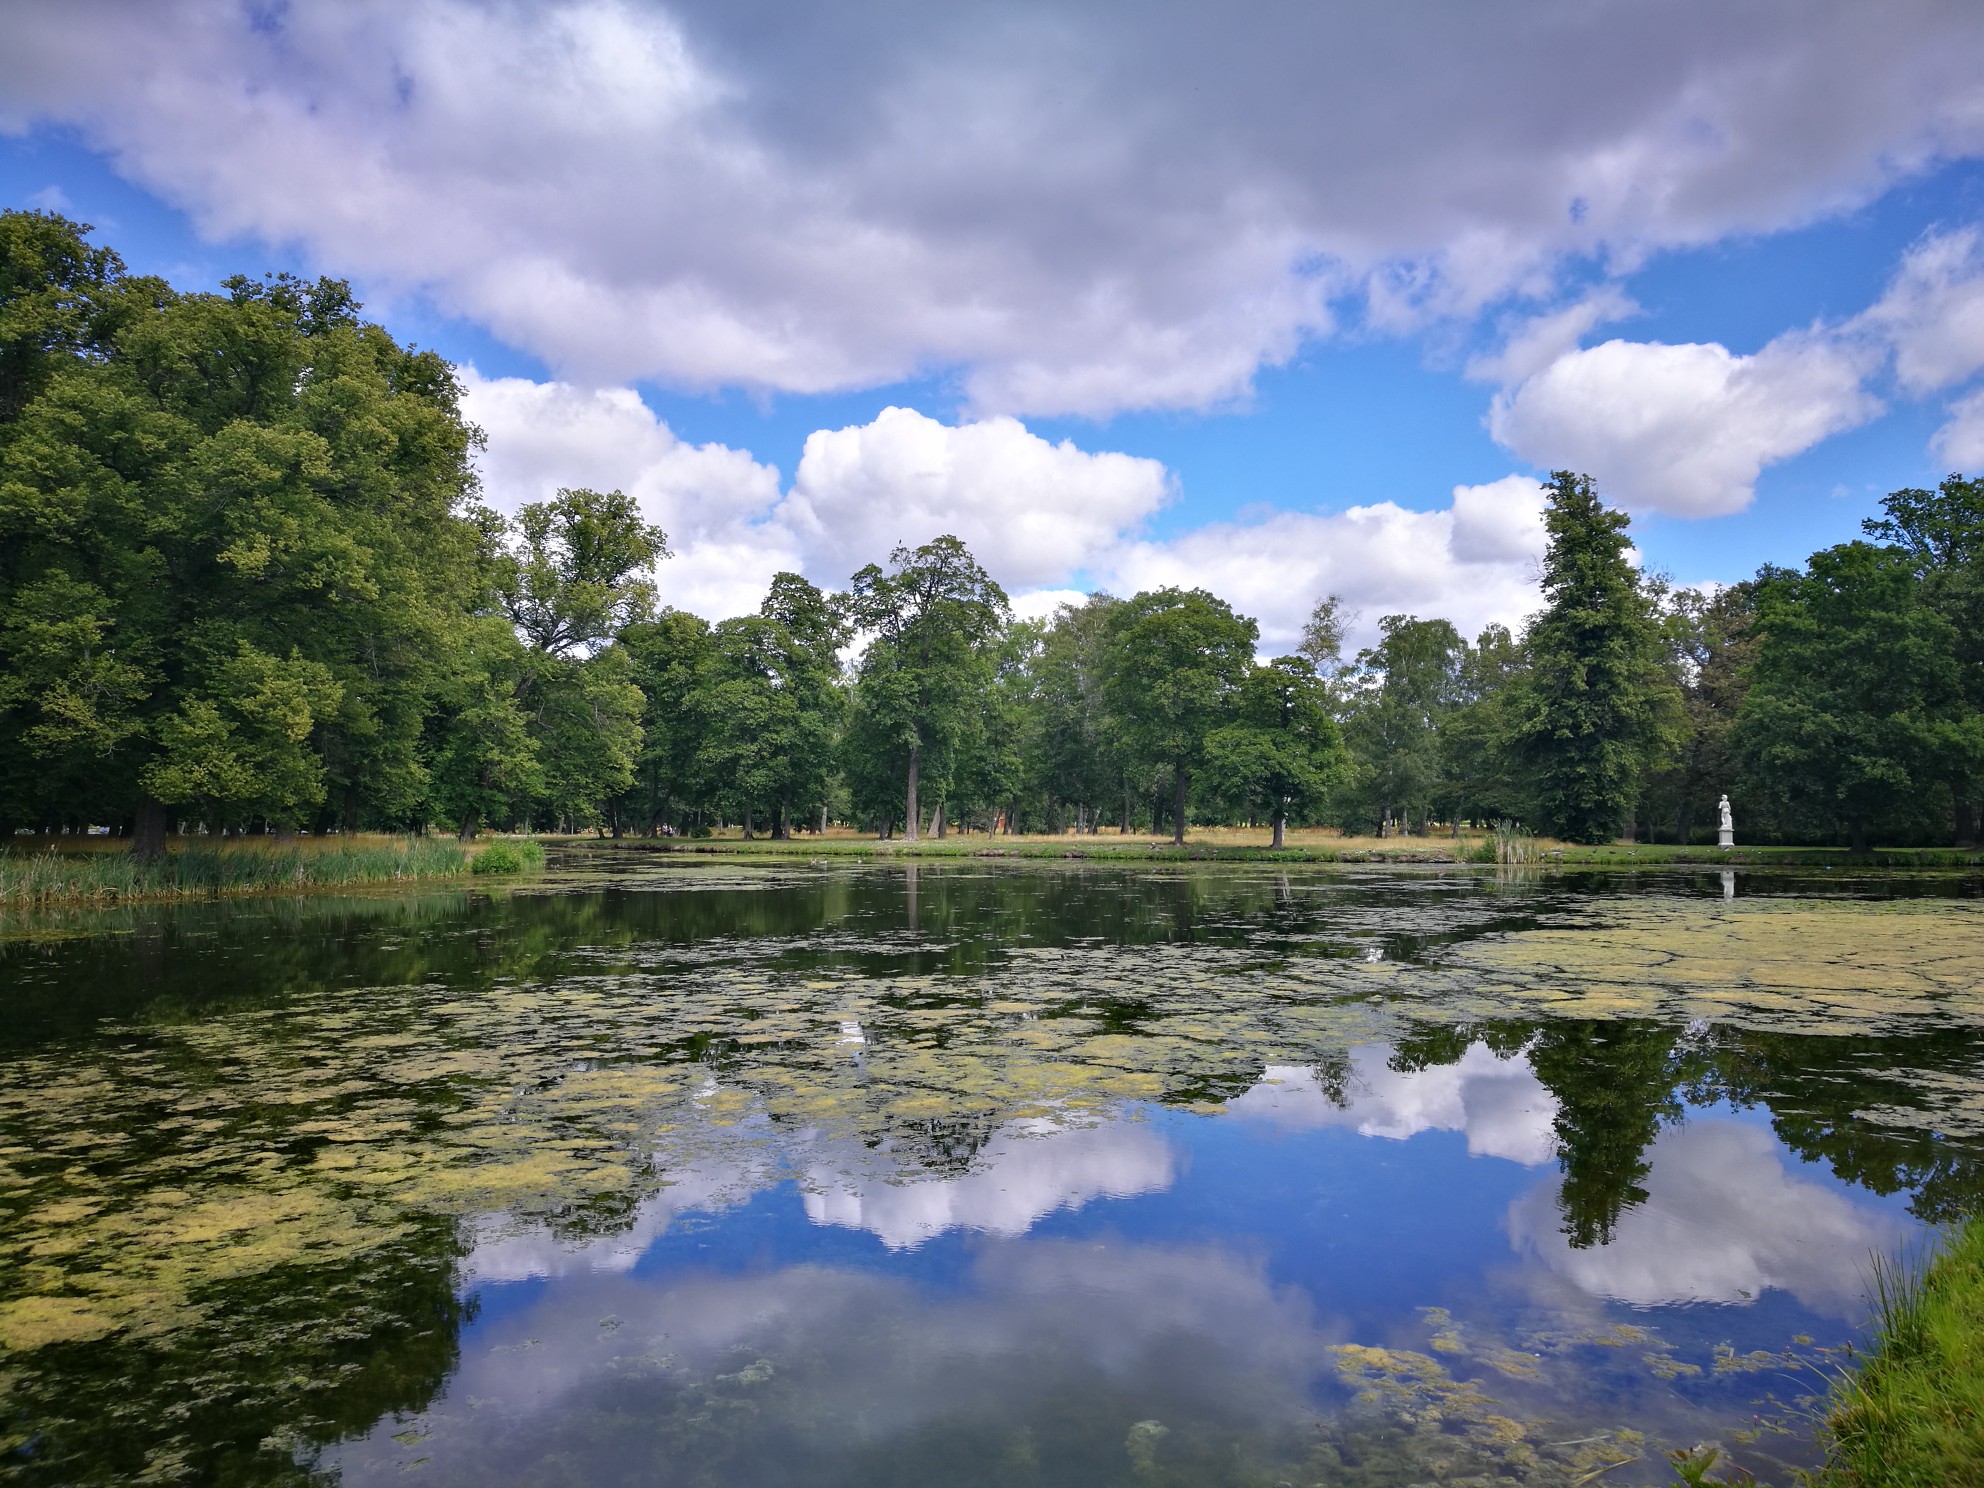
[1237, 304]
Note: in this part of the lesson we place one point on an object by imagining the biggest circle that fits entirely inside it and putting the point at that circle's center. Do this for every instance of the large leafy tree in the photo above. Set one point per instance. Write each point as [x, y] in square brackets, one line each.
[1710, 646]
[1072, 755]
[1596, 706]
[1175, 659]
[1398, 699]
[571, 574]
[231, 543]
[669, 655]
[1281, 752]
[1476, 779]
[1942, 531]
[1854, 714]
[767, 704]
[931, 617]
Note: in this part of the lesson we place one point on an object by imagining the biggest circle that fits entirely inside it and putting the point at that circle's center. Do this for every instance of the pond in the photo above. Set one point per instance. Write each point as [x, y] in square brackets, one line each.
[674, 1172]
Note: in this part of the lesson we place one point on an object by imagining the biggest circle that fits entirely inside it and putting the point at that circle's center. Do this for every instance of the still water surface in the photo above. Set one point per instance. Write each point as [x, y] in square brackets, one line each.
[705, 1173]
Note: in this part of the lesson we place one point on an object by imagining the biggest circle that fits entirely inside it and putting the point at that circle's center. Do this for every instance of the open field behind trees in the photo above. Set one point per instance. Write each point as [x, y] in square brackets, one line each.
[246, 585]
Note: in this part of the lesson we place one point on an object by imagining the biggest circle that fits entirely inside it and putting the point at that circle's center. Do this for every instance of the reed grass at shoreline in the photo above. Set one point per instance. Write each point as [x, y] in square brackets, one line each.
[199, 870]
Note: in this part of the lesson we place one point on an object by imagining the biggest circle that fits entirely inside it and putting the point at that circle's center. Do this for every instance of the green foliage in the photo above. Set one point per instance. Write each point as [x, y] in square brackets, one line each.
[1595, 706]
[1908, 1417]
[933, 618]
[1174, 660]
[1853, 709]
[573, 575]
[244, 583]
[1281, 753]
[199, 871]
[1397, 704]
[229, 541]
[509, 856]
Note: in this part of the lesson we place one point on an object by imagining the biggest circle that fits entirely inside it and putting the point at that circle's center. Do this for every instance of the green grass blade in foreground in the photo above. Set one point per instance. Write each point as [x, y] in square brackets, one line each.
[1912, 1416]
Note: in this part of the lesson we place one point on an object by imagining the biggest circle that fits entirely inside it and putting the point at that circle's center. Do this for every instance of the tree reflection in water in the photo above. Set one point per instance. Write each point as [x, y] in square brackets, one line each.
[425, 1095]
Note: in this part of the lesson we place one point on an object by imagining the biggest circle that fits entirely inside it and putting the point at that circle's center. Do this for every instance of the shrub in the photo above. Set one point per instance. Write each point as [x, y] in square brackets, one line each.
[509, 857]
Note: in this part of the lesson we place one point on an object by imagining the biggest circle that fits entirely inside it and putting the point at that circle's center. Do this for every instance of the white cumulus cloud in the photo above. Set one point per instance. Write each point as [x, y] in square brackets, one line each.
[1033, 512]
[1933, 311]
[1076, 209]
[1026, 1172]
[1473, 562]
[1960, 442]
[1041, 516]
[1686, 429]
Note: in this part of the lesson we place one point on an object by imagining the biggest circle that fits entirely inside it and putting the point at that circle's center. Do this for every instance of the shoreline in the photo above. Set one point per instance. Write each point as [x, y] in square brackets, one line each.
[1406, 852]
[1908, 1414]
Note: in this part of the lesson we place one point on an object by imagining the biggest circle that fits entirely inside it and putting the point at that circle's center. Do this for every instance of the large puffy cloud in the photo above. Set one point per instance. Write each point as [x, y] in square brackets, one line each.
[1082, 209]
[843, 1365]
[1472, 562]
[1684, 429]
[1038, 515]
[1724, 1220]
[1033, 512]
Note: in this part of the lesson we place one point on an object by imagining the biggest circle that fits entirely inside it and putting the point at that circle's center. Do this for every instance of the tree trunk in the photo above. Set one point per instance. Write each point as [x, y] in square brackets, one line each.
[613, 815]
[350, 809]
[1178, 786]
[909, 793]
[1858, 832]
[1126, 808]
[1280, 820]
[470, 821]
[937, 821]
[148, 831]
[1966, 821]
[747, 823]
[782, 828]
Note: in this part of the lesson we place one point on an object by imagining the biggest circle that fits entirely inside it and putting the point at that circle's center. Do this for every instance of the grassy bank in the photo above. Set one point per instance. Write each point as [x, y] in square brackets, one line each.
[201, 870]
[1912, 1414]
[1243, 845]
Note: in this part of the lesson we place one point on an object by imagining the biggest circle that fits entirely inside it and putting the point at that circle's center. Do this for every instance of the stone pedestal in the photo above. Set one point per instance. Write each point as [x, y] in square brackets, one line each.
[1725, 838]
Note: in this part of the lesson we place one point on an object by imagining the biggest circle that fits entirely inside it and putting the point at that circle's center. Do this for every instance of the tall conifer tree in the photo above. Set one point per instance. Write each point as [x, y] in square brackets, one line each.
[1595, 704]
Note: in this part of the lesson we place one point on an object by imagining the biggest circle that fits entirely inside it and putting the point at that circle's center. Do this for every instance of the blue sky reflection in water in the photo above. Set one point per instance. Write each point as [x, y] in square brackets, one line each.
[831, 1175]
[1203, 1265]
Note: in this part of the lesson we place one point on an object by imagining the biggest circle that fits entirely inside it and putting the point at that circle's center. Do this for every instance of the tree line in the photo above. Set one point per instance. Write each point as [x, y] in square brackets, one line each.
[247, 583]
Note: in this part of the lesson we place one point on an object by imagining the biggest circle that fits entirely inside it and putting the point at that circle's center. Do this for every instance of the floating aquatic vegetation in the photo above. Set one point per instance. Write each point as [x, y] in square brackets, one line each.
[165, 1180]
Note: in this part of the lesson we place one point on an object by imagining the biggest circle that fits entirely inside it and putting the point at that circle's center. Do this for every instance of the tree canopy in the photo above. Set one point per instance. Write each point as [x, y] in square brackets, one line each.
[247, 584]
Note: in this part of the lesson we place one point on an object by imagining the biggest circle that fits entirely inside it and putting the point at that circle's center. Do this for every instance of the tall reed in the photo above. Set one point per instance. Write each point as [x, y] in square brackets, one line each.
[200, 871]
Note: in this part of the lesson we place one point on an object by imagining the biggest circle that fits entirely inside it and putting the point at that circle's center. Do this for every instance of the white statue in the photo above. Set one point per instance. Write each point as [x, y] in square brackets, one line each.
[1725, 831]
